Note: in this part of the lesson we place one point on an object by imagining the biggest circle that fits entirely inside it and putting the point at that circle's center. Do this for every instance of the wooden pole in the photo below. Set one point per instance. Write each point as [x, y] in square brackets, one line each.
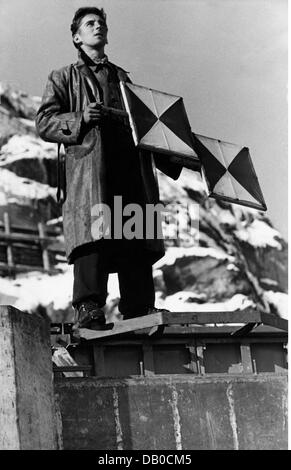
[43, 245]
[10, 261]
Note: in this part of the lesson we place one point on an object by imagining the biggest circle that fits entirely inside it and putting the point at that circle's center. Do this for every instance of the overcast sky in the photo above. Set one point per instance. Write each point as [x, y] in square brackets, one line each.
[227, 58]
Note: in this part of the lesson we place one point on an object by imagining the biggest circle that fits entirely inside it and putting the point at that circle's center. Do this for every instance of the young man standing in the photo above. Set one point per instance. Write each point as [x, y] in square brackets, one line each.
[101, 162]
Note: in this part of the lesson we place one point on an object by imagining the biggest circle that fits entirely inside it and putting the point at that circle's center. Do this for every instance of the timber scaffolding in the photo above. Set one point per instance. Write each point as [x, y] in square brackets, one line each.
[34, 248]
[246, 341]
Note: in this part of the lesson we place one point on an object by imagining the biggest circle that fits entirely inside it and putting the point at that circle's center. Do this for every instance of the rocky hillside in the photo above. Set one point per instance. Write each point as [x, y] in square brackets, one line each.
[231, 258]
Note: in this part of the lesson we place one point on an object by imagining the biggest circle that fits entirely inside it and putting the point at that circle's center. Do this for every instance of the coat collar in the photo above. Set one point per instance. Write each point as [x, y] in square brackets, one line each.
[84, 62]
[83, 58]
[90, 84]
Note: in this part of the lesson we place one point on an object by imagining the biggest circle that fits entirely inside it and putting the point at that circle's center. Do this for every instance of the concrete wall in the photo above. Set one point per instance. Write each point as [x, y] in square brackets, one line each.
[27, 409]
[174, 412]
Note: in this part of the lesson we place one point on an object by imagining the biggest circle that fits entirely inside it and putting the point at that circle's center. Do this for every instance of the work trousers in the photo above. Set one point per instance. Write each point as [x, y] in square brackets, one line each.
[92, 268]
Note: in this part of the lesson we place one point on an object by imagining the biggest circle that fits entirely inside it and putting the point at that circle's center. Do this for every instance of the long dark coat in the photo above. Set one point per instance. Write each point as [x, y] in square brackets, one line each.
[59, 120]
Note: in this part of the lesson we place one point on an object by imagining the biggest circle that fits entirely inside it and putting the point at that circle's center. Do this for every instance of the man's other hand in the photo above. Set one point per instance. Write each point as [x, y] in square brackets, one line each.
[93, 113]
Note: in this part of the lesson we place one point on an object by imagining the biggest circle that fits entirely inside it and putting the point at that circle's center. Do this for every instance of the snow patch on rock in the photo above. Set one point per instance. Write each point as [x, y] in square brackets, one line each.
[260, 234]
[21, 190]
[174, 253]
[26, 146]
[280, 301]
[183, 302]
[36, 288]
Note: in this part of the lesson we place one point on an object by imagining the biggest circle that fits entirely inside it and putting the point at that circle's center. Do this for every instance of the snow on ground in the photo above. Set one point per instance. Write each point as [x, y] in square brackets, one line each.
[21, 190]
[280, 301]
[174, 253]
[182, 302]
[260, 234]
[36, 288]
[33, 289]
[26, 146]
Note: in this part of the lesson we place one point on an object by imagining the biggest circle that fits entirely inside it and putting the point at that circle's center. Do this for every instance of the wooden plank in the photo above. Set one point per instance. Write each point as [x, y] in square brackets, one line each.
[35, 239]
[14, 227]
[249, 315]
[274, 321]
[194, 361]
[24, 268]
[148, 321]
[99, 362]
[231, 340]
[246, 358]
[77, 368]
[200, 346]
[185, 340]
[123, 326]
[182, 318]
[236, 316]
[45, 255]
[217, 331]
[9, 247]
[27, 250]
[148, 359]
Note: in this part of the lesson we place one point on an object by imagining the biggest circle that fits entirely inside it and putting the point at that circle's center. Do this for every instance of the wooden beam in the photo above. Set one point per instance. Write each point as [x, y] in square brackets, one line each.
[78, 368]
[31, 247]
[99, 362]
[10, 262]
[202, 318]
[20, 237]
[24, 268]
[193, 366]
[148, 359]
[50, 230]
[45, 255]
[246, 358]
[200, 346]
[273, 320]
[182, 318]
[123, 326]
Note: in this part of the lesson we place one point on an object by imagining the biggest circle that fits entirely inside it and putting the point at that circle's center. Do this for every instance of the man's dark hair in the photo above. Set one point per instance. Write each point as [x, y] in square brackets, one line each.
[79, 15]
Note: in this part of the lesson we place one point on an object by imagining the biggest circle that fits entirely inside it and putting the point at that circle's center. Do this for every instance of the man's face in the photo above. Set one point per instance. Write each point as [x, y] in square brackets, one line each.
[92, 32]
